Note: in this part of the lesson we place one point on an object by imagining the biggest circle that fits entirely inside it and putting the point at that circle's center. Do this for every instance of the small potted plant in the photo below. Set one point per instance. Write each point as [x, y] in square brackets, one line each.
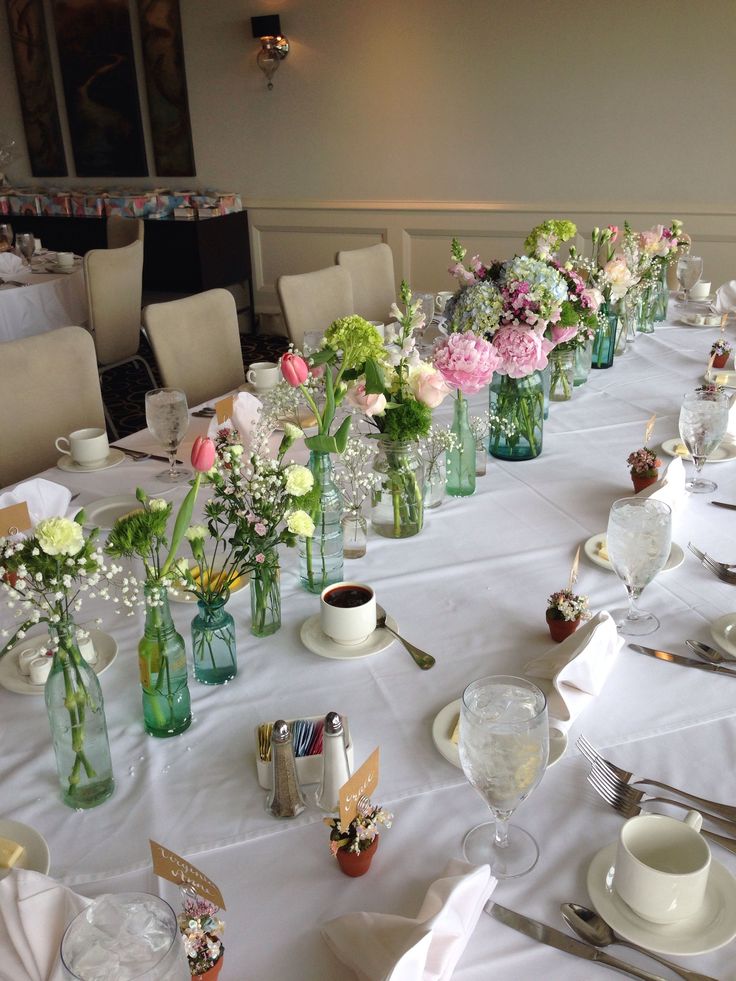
[720, 352]
[355, 846]
[200, 926]
[565, 611]
[644, 468]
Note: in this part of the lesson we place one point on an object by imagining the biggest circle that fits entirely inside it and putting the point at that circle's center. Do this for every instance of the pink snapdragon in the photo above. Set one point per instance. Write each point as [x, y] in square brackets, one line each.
[463, 275]
[369, 404]
[521, 351]
[466, 361]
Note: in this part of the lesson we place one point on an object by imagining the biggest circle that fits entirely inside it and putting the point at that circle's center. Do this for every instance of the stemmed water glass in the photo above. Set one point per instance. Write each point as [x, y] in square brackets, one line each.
[25, 243]
[689, 271]
[504, 748]
[167, 416]
[639, 538]
[703, 422]
[427, 308]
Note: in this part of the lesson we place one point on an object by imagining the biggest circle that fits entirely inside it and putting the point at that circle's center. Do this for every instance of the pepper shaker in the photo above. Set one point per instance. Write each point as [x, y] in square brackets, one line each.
[285, 799]
[335, 766]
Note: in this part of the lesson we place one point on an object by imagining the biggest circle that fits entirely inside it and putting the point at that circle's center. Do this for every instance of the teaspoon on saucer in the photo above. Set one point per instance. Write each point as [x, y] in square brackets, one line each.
[424, 660]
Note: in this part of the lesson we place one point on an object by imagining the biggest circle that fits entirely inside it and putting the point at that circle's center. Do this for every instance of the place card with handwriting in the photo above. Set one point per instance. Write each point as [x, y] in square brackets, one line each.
[361, 784]
[14, 518]
[224, 409]
[168, 865]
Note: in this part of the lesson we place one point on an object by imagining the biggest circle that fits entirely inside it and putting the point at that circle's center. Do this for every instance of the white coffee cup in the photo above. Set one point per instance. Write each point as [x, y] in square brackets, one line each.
[700, 290]
[662, 866]
[380, 327]
[37, 247]
[64, 259]
[441, 300]
[87, 447]
[348, 612]
[263, 375]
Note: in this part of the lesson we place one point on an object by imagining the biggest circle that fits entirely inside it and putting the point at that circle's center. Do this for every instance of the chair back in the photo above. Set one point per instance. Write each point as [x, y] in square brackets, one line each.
[49, 387]
[311, 301]
[196, 341]
[123, 231]
[372, 275]
[114, 281]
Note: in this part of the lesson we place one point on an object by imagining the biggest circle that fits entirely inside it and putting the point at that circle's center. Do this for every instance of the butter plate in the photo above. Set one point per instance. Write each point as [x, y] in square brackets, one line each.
[721, 454]
[13, 680]
[676, 556]
[36, 857]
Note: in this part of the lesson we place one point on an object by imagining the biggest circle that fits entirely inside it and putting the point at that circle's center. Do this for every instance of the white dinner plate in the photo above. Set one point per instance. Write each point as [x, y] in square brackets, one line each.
[444, 725]
[676, 556]
[12, 679]
[710, 928]
[315, 640]
[113, 458]
[104, 512]
[723, 632]
[183, 596]
[36, 857]
[725, 451]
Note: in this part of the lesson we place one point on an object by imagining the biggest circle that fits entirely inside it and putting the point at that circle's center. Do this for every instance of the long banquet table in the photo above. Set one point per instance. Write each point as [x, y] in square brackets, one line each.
[47, 300]
[471, 588]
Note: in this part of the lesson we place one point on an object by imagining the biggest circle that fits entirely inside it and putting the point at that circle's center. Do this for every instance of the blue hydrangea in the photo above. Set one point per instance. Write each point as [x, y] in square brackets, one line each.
[548, 286]
[476, 309]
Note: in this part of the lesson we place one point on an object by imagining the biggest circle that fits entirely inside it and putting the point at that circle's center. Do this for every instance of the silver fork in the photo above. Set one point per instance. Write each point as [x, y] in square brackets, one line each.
[592, 755]
[713, 564]
[629, 809]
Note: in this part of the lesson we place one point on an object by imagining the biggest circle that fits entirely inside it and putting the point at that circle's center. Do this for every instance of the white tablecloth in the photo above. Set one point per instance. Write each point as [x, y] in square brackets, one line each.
[50, 300]
[471, 589]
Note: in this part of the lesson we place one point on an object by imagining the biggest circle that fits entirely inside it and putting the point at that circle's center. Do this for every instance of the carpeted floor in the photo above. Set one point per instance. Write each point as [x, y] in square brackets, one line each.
[124, 389]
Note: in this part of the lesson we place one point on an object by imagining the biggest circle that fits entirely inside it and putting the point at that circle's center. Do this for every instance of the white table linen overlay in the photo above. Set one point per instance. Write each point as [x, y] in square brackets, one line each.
[46, 301]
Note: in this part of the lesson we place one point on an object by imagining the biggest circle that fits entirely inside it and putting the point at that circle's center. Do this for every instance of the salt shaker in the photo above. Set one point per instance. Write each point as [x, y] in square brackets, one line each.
[285, 799]
[335, 766]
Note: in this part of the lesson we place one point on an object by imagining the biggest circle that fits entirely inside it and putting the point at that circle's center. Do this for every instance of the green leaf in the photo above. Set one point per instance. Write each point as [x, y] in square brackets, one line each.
[373, 378]
[325, 356]
[322, 444]
[183, 520]
[341, 436]
[329, 411]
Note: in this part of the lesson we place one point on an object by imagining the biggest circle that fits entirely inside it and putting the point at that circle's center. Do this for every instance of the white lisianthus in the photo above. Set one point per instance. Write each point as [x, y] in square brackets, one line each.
[299, 480]
[59, 536]
[195, 533]
[299, 523]
[157, 504]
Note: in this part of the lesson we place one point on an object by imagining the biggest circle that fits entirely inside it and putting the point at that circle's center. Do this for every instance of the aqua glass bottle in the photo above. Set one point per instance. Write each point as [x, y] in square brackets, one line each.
[321, 556]
[265, 596]
[460, 462]
[162, 664]
[213, 641]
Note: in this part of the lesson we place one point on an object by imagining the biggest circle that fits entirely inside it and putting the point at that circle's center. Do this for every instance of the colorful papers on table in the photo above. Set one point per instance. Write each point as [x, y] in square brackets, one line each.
[306, 736]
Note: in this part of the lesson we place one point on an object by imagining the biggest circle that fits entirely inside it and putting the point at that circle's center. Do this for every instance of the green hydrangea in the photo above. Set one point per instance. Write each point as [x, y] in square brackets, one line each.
[545, 239]
[356, 339]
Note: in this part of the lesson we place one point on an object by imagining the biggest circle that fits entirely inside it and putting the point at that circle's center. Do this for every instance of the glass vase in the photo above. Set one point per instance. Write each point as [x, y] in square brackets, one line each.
[630, 309]
[481, 459]
[397, 508]
[583, 359]
[646, 316]
[604, 342]
[460, 462]
[561, 375]
[76, 713]
[265, 596]
[621, 334]
[546, 375]
[354, 534]
[520, 403]
[663, 296]
[321, 556]
[162, 664]
[434, 484]
[213, 641]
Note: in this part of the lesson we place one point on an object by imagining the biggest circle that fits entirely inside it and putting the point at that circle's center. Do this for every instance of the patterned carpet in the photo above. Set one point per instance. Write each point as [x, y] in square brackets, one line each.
[124, 389]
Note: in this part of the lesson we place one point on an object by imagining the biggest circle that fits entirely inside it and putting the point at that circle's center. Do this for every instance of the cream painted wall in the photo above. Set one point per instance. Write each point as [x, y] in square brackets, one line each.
[431, 116]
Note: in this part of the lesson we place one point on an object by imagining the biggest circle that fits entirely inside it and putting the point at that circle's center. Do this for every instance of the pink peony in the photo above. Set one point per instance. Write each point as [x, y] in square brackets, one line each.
[520, 350]
[465, 361]
[427, 385]
[371, 405]
[561, 334]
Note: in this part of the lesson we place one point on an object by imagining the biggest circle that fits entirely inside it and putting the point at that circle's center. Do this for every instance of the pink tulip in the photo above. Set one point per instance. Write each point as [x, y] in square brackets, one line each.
[203, 454]
[294, 369]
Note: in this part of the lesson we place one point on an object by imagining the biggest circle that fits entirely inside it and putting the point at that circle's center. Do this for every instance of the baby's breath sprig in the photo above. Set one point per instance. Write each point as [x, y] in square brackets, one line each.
[438, 441]
[354, 477]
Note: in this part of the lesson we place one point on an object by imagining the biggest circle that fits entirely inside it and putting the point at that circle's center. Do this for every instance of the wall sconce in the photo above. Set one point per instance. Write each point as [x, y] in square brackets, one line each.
[274, 46]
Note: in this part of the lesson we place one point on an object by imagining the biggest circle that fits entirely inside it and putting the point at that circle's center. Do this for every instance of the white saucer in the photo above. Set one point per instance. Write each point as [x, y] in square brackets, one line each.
[713, 926]
[725, 451]
[36, 857]
[184, 596]
[54, 267]
[676, 556]
[12, 679]
[690, 321]
[104, 512]
[444, 724]
[318, 642]
[112, 460]
[722, 632]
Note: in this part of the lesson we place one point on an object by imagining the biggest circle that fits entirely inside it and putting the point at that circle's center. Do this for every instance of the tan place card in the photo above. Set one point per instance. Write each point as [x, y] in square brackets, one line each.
[14, 518]
[168, 865]
[361, 784]
[224, 409]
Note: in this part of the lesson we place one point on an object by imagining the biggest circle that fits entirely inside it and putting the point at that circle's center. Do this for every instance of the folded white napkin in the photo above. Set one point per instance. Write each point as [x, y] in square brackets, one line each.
[578, 668]
[670, 488]
[10, 264]
[246, 412]
[34, 913]
[725, 300]
[44, 498]
[383, 947]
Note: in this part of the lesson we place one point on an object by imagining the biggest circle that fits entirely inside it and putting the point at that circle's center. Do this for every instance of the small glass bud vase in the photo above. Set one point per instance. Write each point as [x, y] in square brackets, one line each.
[434, 484]
[481, 459]
[562, 375]
[354, 534]
[213, 641]
[460, 462]
[583, 359]
[162, 663]
[265, 596]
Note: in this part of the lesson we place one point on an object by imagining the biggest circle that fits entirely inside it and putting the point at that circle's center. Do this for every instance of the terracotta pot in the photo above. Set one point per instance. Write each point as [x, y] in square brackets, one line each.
[720, 360]
[561, 629]
[641, 480]
[355, 864]
[212, 973]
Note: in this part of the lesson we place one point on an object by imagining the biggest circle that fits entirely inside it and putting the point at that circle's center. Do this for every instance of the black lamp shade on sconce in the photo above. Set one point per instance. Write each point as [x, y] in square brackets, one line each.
[267, 26]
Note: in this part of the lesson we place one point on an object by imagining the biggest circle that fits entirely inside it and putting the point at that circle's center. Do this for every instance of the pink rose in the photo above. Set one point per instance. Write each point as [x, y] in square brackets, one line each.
[427, 385]
[591, 298]
[521, 350]
[294, 369]
[370, 405]
[561, 334]
[465, 361]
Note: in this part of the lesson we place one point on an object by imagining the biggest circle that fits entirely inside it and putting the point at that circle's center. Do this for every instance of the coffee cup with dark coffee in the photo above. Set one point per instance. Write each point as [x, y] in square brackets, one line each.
[348, 612]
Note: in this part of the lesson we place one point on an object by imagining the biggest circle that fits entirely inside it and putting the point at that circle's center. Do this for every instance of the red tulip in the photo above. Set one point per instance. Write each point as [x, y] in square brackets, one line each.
[203, 454]
[294, 369]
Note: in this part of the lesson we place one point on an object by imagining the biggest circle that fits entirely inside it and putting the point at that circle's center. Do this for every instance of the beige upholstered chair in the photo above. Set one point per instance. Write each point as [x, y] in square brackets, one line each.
[123, 231]
[372, 274]
[49, 387]
[197, 344]
[311, 301]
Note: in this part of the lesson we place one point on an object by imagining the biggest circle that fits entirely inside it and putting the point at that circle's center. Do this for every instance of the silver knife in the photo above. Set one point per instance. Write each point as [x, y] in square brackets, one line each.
[722, 504]
[555, 938]
[679, 659]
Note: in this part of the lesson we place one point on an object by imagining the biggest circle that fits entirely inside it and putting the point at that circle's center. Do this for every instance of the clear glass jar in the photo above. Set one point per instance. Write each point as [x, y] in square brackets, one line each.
[562, 375]
[265, 596]
[321, 556]
[481, 458]
[520, 402]
[213, 641]
[354, 534]
[583, 359]
[434, 484]
[397, 503]
[460, 462]
[162, 663]
[604, 342]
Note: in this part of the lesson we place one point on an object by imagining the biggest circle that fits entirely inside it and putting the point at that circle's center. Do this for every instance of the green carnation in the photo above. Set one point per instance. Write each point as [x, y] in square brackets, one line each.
[408, 420]
[356, 339]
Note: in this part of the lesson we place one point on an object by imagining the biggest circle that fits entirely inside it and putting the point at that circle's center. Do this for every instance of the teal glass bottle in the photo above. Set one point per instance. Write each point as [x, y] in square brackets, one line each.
[162, 664]
[321, 556]
[460, 462]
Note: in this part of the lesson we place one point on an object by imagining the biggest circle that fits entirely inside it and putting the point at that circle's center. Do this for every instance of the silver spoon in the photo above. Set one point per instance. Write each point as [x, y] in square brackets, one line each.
[710, 654]
[593, 928]
[424, 660]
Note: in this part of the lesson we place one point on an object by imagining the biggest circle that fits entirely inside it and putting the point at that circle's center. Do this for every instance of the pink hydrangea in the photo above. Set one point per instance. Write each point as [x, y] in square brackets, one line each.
[466, 361]
[521, 351]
